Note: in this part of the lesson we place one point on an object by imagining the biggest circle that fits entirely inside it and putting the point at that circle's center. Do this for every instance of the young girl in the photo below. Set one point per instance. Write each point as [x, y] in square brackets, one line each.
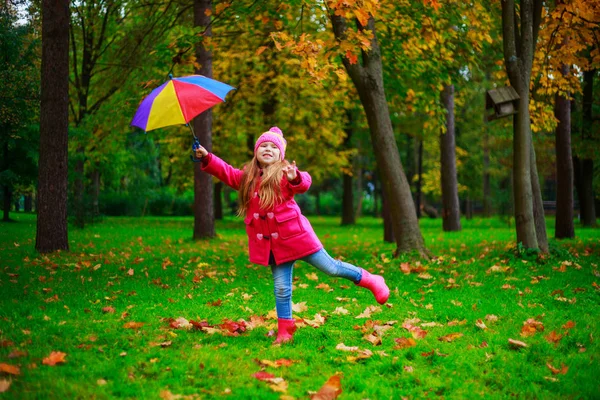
[278, 233]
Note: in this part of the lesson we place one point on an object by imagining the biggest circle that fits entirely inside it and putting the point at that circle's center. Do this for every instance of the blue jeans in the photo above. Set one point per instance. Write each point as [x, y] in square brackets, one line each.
[282, 277]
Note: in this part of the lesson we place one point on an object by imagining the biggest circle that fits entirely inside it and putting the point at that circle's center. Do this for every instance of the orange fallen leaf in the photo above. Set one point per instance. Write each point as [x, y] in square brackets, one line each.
[56, 357]
[450, 337]
[108, 310]
[417, 332]
[10, 369]
[554, 337]
[402, 343]
[569, 325]
[330, 390]
[133, 325]
[375, 340]
[562, 371]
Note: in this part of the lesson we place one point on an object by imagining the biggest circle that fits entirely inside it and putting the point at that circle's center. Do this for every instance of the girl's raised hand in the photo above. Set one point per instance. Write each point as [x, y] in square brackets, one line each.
[290, 171]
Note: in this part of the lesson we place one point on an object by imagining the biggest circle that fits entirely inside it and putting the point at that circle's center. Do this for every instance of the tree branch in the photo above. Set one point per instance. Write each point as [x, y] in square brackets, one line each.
[508, 41]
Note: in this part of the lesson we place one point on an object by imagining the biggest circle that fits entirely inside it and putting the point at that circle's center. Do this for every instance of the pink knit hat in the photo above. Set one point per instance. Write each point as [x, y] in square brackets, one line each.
[273, 135]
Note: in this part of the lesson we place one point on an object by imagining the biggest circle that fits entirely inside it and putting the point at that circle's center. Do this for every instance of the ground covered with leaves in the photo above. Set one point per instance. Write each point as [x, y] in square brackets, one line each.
[138, 310]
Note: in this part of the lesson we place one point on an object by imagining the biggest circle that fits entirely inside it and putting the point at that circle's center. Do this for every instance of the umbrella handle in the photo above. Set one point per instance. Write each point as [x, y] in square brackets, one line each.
[195, 146]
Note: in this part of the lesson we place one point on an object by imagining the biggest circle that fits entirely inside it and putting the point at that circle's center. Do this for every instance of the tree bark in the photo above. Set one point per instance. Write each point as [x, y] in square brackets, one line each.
[52, 231]
[487, 206]
[204, 218]
[519, 46]
[564, 167]
[539, 216]
[95, 193]
[368, 80]
[78, 195]
[28, 206]
[450, 204]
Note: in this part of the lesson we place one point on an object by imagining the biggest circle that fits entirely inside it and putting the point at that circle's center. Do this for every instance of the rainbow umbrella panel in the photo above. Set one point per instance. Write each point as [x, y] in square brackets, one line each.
[178, 101]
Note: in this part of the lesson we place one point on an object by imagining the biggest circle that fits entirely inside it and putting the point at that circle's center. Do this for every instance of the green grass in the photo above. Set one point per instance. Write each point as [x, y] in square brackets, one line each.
[106, 360]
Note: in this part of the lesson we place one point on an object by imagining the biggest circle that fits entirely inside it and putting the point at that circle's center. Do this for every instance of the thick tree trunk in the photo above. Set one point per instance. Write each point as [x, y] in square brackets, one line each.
[368, 80]
[564, 167]
[52, 232]
[450, 204]
[539, 216]
[204, 218]
[519, 39]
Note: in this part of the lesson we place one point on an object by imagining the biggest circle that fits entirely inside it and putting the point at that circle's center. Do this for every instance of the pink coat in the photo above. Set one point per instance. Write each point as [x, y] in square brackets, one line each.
[282, 230]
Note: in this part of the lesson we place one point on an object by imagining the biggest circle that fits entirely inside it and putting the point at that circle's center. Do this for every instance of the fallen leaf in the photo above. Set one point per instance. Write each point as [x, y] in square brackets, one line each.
[450, 337]
[56, 357]
[4, 385]
[108, 310]
[417, 332]
[10, 369]
[343, 347]
[562, 371]
[368, 311]
[282, 362]
[491, 318]
[130, 272]
[263, 376]
[402, 343]
[133, 325]
[361, 355]
[456, 322]
[409, 369]
[312, 276]
[324, 286]
[340, 311]
[373, 339]
[299, 307]
[554, 337]
[316, 322]
[101, 382]
[569, 325]
[530, 327]
[480, 324]
[330, 390]
[515, 344]
[181, 323]
[17, 353]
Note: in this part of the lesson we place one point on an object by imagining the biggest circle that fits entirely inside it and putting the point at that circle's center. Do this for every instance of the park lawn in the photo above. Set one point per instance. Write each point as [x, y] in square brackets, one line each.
[444, 333]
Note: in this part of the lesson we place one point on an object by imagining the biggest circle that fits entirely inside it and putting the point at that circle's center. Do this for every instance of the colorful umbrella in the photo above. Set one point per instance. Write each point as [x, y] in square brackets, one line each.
[178, 101]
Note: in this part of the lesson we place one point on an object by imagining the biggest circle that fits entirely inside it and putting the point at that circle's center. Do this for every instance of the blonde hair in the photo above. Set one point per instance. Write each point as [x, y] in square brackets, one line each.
[269, 191]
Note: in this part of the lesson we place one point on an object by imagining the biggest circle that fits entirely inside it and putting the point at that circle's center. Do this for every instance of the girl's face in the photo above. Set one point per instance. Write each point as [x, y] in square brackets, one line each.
[267, 153]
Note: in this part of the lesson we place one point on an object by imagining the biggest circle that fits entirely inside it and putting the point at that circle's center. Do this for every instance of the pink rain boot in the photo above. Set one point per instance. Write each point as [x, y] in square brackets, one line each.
[376, 284]
[285, 330]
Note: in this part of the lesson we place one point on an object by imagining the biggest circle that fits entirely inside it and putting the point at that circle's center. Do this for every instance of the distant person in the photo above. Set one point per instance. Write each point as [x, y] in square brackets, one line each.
[278, 233]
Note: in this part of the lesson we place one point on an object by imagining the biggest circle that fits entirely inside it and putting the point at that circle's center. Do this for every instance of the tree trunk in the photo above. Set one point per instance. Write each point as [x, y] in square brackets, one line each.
[359, 189]
[218, 200]
[368, 80]
[52, 232]
[450, 204]
[519, 41]
[539, 216]
[204, 218]
[564, 167]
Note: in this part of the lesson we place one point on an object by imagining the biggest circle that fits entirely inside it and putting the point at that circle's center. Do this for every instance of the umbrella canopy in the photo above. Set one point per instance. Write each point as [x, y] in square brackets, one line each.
[178, 101]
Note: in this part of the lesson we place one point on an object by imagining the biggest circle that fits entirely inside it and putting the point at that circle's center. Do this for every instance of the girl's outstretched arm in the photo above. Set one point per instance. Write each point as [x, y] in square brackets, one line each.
[218, 168]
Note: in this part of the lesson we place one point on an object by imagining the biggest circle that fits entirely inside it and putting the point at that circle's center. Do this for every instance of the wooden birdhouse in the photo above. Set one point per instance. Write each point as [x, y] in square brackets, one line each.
[503, 101]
